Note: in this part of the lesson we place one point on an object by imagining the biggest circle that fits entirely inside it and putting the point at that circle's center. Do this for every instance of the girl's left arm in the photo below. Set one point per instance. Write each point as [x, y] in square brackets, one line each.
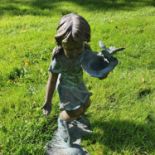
[51, 84]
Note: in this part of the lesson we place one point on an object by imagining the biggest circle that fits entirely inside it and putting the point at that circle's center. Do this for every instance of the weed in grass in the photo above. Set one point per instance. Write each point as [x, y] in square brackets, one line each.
[144, 92]
[151, 117]
[16, 73]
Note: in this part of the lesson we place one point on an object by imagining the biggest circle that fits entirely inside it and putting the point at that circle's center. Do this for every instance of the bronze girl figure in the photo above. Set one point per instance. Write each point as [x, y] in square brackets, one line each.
[69, 58]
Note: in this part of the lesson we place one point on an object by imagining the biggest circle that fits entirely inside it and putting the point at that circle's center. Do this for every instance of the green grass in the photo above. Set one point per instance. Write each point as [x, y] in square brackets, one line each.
[122, 112]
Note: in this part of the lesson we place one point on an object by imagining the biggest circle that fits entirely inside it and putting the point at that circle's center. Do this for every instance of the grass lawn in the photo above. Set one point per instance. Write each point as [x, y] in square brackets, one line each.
[122, 112]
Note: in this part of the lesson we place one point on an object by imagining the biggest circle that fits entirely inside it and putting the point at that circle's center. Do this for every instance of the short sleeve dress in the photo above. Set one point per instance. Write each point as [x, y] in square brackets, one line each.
[72, 91]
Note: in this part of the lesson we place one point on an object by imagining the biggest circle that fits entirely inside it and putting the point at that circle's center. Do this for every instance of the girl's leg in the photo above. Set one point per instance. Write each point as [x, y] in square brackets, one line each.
[82, 121]
[63, 124]
[63, 131]
[71, 115]
[66, 117]
[74, 114]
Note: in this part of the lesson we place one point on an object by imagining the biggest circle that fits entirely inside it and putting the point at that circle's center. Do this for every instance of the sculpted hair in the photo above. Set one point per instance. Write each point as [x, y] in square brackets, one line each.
[72, 26]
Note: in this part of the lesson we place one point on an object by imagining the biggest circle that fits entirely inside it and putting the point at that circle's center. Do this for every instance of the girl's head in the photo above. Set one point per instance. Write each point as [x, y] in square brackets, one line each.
[72, 32]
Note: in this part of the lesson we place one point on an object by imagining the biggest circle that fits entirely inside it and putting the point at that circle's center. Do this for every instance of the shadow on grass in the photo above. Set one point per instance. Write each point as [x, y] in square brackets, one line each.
[97, 4]
[124, 135]
[47, 7]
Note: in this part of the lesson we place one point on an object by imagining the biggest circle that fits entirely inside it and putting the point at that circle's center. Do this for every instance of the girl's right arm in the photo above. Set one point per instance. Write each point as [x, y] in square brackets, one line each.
[51, 84]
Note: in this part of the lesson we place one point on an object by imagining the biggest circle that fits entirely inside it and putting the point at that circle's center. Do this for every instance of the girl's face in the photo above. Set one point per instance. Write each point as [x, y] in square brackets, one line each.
[72, 49]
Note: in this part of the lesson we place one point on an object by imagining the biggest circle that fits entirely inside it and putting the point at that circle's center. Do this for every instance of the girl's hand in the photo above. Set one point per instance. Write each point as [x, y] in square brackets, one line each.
[46, 108]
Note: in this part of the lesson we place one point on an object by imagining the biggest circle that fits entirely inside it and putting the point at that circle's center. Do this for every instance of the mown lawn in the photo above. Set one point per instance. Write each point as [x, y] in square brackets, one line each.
[123, 105]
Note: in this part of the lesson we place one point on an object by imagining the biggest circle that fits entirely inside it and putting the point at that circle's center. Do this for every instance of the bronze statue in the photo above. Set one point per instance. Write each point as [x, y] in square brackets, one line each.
[70, 57]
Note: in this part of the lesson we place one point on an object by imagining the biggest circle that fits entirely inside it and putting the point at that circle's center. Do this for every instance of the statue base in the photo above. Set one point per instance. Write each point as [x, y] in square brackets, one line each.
[57, 146]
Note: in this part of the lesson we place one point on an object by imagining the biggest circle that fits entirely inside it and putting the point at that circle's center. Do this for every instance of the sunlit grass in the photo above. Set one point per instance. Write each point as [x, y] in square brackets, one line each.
[122, 112]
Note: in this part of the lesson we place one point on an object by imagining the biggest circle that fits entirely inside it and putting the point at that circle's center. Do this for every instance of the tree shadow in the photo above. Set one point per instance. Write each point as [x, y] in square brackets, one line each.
[97, 4]
[120, 135]
[48, 7]
[14, 7]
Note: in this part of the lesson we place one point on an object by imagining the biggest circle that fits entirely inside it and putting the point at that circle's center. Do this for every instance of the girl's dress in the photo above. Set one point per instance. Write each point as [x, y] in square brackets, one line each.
[72, 91]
